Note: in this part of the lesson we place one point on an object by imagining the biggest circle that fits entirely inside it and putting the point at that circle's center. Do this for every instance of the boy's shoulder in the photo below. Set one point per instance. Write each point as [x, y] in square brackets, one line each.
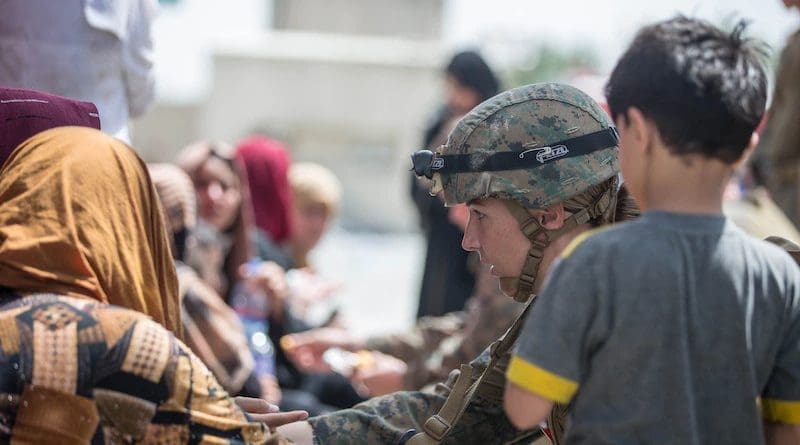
[772, 254]
[606, 239]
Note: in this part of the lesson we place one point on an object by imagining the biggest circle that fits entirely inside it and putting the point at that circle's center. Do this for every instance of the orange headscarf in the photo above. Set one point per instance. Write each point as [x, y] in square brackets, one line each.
[80, 217]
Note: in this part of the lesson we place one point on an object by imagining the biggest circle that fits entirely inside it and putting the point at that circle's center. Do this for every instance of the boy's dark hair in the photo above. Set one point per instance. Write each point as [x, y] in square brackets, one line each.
[704, 89]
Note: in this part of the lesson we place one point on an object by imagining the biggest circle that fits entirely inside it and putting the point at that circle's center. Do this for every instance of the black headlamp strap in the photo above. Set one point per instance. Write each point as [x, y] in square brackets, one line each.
[533, 157]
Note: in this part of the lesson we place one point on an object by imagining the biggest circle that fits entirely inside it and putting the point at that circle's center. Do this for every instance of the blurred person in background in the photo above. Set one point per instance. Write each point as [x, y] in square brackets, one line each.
[317, 196]
[265, 169]
[265, 166]
[781, 138]
[99, 51]
[447, 280]
[75, 243]
[222, 237]
[220, 252]
[293, 207]
[211, 328]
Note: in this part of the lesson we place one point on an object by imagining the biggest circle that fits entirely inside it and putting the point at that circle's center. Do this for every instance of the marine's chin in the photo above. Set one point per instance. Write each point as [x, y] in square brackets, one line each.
[508, 289]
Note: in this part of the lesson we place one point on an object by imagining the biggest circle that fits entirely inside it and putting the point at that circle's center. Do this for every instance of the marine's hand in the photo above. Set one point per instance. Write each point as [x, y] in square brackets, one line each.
[383, 375]
[305, 349]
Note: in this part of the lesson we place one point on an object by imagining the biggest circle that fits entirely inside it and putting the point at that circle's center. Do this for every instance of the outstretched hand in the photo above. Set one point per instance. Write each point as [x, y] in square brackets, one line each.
[305, 349]
[382, 374]
[260, 410]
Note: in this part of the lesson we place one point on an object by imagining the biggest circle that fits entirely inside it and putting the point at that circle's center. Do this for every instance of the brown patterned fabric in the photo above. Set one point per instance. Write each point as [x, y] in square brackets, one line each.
[210, 327]
[176, 192]
[213, 331]
[80, 217]
[78, 369]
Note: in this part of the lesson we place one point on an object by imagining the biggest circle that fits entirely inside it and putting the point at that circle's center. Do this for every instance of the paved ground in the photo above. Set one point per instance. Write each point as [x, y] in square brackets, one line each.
[380, 273]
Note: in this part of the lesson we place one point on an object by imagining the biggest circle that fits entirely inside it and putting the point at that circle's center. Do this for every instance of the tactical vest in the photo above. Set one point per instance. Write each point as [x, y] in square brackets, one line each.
[438, 426]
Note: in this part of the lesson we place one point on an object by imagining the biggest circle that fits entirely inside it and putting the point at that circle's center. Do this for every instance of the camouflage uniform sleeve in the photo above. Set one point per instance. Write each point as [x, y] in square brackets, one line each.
[387, 419]
[416, 346]
[439, 345]
[488, 317]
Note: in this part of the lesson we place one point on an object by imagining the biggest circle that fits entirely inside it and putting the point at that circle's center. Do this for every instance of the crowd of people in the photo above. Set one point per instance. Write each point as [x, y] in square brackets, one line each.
[582, 282]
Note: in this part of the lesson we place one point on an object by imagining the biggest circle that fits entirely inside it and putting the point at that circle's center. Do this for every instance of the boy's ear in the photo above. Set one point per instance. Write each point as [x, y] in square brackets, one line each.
[748, 151]
[639, 129]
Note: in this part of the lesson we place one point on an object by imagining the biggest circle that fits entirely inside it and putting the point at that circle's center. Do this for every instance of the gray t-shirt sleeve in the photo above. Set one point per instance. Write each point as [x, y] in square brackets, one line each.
[780, 400]
[565, 324]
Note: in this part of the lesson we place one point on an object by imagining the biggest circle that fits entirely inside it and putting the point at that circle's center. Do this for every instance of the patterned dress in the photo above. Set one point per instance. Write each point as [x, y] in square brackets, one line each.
[75, 370]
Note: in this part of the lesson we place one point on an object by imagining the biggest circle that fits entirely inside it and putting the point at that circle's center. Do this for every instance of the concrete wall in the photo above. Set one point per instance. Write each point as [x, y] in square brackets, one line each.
[355, 105]
[165, 129]
[414, 19]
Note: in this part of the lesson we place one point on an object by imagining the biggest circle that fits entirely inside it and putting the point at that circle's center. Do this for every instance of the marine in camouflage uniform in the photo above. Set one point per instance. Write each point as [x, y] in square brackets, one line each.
[534, 146]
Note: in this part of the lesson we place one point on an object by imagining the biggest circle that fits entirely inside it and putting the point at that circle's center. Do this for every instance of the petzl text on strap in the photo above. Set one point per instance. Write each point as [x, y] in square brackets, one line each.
[532, 157]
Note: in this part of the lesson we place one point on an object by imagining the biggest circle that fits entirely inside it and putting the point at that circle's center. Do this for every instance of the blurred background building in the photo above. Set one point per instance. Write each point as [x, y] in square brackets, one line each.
[351, 84]
[343, 82]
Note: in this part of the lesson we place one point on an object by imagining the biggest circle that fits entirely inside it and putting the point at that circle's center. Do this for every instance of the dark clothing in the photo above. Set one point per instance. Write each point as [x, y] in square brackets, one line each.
[268, 250]
[447, 282]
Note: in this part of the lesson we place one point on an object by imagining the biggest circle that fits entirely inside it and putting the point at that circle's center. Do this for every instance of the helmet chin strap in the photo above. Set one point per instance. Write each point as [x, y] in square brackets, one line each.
[540, 238]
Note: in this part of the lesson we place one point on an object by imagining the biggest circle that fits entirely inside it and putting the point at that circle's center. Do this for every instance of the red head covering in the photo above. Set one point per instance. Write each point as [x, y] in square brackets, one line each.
[266, 163]
[24, 113]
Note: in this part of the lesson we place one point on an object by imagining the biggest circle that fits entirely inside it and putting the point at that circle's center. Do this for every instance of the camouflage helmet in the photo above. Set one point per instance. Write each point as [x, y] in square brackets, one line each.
[558, 140]
[533, 147]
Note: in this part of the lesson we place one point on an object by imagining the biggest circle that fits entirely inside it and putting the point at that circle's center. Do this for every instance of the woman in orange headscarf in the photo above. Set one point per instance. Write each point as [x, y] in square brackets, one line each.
[79, 217]
[80, 227]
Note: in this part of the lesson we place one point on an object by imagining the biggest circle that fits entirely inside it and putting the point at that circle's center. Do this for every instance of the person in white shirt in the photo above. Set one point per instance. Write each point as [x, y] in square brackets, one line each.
[98, 51]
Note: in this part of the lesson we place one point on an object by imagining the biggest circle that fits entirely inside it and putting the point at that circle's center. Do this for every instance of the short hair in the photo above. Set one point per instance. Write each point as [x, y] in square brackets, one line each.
[705, 89]
[472, 71]
[315, 184]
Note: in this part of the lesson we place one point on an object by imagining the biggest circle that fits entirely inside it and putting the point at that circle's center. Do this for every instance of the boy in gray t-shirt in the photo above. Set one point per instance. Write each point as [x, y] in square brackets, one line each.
[677, 328]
